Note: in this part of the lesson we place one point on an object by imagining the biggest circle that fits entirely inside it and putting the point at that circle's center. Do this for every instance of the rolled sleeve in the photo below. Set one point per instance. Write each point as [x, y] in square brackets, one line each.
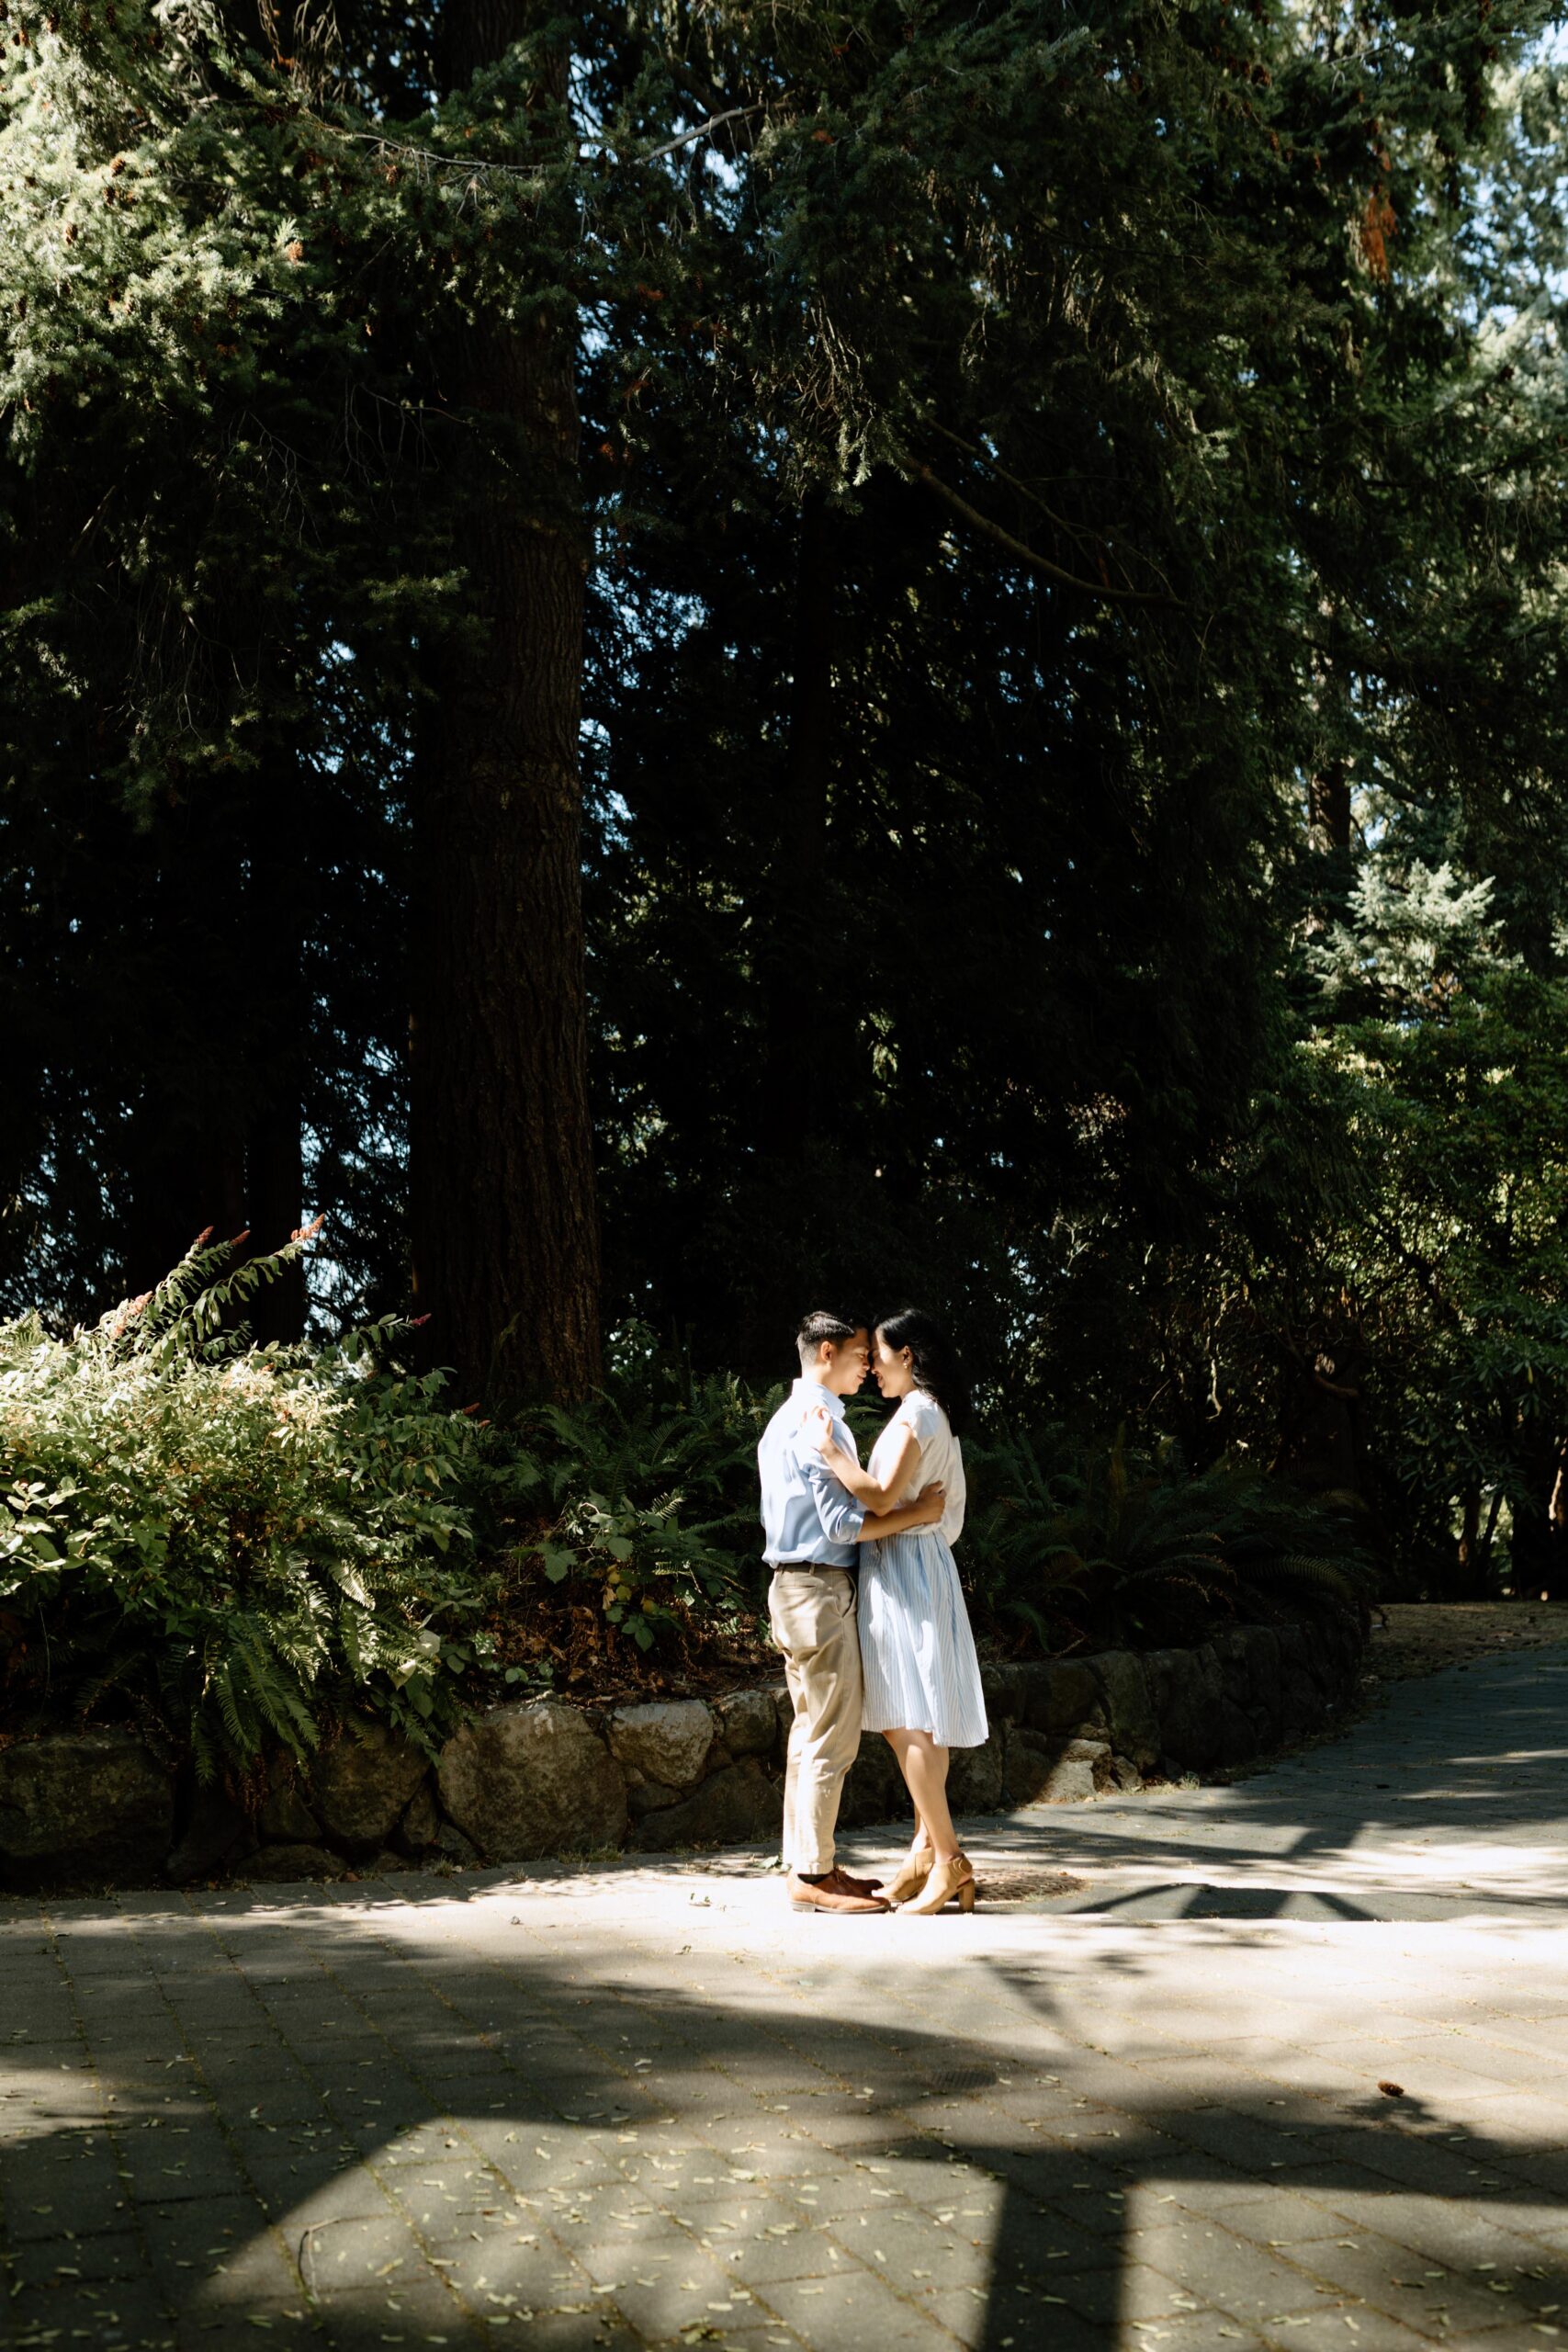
[843, 1518]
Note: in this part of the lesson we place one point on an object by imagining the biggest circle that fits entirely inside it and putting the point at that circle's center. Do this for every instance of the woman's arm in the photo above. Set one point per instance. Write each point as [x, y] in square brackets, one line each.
[875, 1495]
[924, 1511]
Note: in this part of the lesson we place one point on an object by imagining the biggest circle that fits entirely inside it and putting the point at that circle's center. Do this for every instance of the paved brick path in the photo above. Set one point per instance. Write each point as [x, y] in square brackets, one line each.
[650, 2105]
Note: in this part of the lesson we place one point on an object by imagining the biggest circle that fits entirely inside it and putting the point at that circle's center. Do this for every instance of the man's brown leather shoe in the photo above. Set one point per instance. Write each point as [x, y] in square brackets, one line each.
[857, 1885]
[831, 1894]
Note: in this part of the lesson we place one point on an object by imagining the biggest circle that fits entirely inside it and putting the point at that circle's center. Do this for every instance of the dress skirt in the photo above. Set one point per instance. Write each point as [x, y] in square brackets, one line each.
[917, 1651]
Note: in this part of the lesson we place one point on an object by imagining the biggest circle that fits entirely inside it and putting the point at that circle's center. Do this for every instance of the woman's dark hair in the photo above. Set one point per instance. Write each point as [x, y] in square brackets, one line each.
[932, 1361]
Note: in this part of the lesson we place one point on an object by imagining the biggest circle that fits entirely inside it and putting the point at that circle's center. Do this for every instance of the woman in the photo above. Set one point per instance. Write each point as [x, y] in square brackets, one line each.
[922, 1678]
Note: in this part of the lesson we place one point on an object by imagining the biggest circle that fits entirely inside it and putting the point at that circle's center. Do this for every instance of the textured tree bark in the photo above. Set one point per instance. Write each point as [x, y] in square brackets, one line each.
[1330, 832]
[1538, 1531]
[186, 1176]
[1320, 1442]
[184, 1143]
[800, 931]
[274, 1154]
[275, 1182]
[1328, 811]
[1469, 1565]
[505, 1227]
[215, 1138]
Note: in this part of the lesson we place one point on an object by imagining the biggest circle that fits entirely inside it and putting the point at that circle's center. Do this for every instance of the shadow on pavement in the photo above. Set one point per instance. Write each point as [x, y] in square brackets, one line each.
[368, 2142]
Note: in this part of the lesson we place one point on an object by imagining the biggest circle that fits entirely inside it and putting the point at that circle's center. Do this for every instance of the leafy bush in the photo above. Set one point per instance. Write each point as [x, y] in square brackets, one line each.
[235, 1545]
[648, 1523]
[231, 1541]
[622, 1471]
[643, 1530]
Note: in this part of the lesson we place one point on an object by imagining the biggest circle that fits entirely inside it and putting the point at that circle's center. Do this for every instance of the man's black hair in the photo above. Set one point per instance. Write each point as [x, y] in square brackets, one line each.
[820, 1325]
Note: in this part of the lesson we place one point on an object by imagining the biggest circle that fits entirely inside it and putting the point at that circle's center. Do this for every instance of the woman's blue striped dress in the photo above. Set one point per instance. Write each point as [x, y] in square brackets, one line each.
[917, 1650]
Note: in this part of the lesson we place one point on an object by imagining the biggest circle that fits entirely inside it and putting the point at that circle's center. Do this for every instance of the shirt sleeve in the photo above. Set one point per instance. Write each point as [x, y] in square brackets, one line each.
[922, 1413]
[841, 1517]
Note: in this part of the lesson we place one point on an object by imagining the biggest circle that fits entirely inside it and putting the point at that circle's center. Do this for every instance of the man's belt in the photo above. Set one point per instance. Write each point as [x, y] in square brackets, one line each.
[806, 1568]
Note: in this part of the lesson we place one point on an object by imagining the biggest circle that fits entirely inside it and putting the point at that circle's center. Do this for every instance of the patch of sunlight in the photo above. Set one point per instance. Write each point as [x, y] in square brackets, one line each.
[39, 2099]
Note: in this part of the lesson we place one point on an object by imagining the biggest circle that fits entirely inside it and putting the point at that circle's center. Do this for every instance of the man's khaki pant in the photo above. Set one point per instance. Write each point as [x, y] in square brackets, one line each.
[812, 1613]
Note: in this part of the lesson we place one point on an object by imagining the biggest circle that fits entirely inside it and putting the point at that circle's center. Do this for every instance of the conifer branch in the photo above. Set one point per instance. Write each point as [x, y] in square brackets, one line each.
[471, 167]
[1037, 562]
[477, 165]
[713, 122]
[975, 449]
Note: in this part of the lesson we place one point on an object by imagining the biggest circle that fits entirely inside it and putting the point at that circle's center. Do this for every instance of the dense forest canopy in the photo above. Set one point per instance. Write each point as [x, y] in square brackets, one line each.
[676, 664]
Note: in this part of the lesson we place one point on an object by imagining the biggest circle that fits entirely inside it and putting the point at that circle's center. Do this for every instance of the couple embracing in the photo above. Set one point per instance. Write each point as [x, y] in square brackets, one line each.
[865, 1601]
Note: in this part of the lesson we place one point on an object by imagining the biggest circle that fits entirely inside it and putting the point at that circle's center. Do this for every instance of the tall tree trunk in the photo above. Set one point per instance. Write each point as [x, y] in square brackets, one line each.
[185, 1138]
[215, 1137]
[275, 1157]
[1328, 811]
[1330, 832]
[505, 1227]
[797, 922]
[187, 1176]
[1539, 1535]
[1469, 1563]
[801, 930]
[1320, 1443]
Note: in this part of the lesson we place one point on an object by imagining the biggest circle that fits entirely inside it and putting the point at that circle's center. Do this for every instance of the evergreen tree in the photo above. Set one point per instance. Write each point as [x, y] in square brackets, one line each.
[1067, 507]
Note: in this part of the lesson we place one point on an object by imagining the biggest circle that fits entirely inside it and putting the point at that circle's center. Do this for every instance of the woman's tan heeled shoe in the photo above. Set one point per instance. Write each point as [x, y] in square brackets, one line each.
[913, 1872]
[947, 1878]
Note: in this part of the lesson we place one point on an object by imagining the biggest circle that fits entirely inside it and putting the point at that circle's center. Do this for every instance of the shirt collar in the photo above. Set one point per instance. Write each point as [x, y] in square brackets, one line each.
[819, 1395]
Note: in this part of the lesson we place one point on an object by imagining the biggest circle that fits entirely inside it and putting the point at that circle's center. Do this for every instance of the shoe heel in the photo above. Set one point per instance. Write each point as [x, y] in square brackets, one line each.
[966, 1896]
[910, 1880]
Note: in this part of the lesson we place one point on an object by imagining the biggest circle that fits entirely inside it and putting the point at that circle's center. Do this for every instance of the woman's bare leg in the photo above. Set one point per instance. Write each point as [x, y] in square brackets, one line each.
[921, 1841]
[924, 1766]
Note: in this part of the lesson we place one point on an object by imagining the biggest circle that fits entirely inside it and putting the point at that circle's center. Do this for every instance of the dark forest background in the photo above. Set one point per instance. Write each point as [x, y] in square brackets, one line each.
[678, 665]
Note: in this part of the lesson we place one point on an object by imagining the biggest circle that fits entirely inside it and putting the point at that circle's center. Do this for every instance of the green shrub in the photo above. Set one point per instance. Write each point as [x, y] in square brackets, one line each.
[652, 1495]
[235, 1546]
[231, 1541]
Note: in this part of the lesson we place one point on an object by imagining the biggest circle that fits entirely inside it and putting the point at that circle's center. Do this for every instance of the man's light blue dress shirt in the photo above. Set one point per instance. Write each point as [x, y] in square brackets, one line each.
[806, 1515]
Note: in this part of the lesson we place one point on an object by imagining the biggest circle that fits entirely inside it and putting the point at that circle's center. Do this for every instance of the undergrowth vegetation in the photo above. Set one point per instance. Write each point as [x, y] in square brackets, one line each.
[1073, 1545]
[235, 1546]
[225, 1541]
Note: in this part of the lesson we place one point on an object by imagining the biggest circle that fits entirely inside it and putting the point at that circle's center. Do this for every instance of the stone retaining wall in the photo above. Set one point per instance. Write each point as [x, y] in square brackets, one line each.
[549, 1776]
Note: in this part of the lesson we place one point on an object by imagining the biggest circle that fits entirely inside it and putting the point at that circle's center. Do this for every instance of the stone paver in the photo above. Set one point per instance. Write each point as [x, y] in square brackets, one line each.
[650, 2105]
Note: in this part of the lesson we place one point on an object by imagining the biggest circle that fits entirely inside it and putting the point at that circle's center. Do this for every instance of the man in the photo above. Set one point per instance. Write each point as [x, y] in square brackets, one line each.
[812, 1528]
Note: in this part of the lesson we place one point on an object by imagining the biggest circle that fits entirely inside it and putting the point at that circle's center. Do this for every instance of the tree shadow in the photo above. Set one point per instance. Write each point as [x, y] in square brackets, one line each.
[1407, 1778]
[372, 2140]
[1197, 1899]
